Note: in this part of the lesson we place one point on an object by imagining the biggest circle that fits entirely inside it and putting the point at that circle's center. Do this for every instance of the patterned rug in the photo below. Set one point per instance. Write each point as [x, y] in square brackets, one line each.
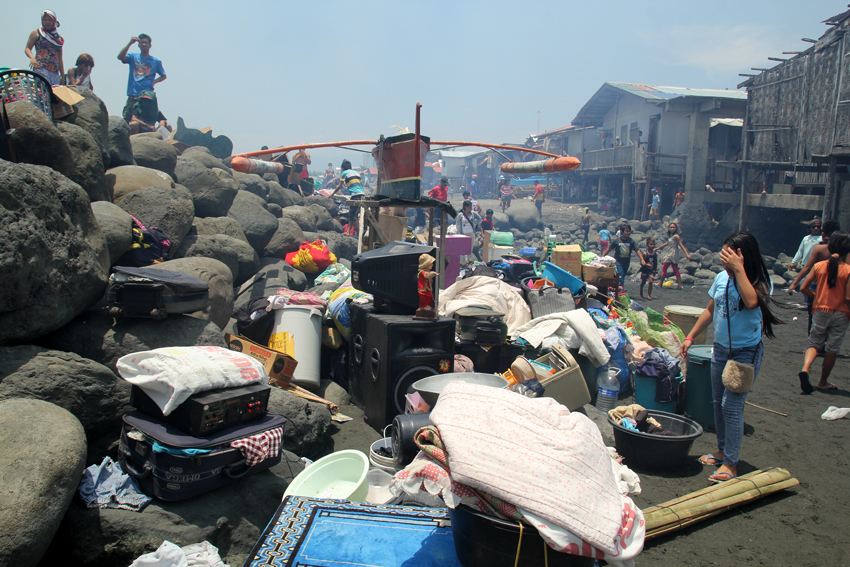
[333, 533]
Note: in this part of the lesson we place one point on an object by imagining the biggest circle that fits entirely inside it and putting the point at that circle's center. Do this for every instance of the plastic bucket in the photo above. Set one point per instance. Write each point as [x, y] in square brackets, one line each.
[657, 452]
[562, 278]
[485, 541]
[340, 475]
[699, 403]
[379, 461]
[645, 394]
[297, 332]
[685, 317]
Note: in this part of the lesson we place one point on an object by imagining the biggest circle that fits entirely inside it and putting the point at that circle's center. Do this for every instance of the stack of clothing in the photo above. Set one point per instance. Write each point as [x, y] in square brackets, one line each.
[657, 363]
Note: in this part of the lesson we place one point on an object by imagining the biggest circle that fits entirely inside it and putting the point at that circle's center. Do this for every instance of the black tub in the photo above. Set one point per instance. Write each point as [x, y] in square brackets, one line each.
[485, 541]
[655, 452]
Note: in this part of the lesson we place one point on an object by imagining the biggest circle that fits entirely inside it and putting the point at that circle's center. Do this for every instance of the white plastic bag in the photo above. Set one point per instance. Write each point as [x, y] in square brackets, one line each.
[170, 375]
[833, 412]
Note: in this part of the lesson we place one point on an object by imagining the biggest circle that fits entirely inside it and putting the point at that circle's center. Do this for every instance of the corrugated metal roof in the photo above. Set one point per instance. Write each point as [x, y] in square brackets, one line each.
[658, 92]
[606, 97]
[835, 20]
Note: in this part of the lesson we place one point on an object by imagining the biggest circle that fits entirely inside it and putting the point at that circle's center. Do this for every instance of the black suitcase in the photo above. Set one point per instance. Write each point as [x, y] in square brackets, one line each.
[154, 293]
[176, 477]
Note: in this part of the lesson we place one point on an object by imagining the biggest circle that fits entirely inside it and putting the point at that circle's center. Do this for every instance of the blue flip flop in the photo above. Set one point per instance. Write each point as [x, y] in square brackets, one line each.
[710, 460]
[729, 476]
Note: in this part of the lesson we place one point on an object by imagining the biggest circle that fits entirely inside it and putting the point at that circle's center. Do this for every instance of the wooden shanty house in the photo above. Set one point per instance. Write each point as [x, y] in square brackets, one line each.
[633, 137]
[797, 129]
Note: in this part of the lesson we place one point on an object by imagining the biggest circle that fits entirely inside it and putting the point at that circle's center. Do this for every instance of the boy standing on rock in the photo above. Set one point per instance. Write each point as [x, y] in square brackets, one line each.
[143, 71]
[622, 249]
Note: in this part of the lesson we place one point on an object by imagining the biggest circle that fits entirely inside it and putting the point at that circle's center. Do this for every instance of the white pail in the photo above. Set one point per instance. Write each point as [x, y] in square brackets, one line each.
[297, 332]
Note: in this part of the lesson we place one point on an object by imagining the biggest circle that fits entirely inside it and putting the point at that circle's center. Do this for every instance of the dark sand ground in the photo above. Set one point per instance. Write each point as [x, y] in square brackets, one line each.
[802, 526]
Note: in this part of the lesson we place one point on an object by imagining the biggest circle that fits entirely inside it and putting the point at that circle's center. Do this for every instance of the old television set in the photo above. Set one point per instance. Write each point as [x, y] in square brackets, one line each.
[389, 273]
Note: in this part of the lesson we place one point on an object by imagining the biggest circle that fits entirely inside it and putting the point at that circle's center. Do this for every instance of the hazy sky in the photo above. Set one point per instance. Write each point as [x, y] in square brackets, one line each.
[277, 73]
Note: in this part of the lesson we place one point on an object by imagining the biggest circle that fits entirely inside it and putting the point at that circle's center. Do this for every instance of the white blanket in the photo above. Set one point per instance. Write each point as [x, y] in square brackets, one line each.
[489, 292]
[535, 454]
[574, 329]
[170, 375]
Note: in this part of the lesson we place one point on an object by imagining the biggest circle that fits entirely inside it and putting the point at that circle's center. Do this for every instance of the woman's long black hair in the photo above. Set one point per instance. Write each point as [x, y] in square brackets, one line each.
[839, 247]
[757, 274]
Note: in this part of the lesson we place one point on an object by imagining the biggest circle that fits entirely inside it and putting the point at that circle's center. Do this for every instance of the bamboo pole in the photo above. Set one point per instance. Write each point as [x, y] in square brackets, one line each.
[721, 507]
[722, 491]
[705, 490]
[767, 409]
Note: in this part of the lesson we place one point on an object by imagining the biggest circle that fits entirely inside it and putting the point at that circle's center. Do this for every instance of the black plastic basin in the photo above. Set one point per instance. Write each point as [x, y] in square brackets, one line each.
[657, 452]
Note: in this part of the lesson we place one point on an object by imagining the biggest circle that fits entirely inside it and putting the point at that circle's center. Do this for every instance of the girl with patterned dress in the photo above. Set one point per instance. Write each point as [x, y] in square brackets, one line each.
[47, 59]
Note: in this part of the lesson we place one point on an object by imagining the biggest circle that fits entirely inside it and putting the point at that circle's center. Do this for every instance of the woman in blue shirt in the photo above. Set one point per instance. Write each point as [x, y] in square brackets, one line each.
[740, 298]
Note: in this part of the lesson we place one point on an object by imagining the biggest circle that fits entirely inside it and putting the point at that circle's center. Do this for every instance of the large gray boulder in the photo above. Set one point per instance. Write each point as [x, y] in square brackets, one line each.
[116, 225]
[523, 215]
[154, 153]
[119, 147]
[42, 456]
[54, 261]
[274, 273]
[91, 115]
[123, 180]
[287, 238]
[704, 274]
[211, 226]
[282, 196]
[213, 190]
[96, 336]
[87, 389]
[231, 518]
[257, 223]
[36, 140]
[501, 221]
[307, 422]
[203, 155]
[342, 246]
[303, 217]
[218, 247]
[220, 278]
[171, 210]
[88, 161]
[252, 183]
[324, 221]
[326, 202]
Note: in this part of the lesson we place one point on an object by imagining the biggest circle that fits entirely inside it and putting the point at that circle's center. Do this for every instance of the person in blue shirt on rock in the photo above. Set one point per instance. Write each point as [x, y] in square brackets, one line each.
[740, 309]
[353, 184]
[143, 71]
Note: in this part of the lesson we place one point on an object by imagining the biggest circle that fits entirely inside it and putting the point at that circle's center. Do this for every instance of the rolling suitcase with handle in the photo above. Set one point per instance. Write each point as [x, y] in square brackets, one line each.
[171, 465]
[154, 293]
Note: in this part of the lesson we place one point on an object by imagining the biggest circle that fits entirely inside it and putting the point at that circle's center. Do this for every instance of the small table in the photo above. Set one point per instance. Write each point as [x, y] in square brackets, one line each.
[456, 246]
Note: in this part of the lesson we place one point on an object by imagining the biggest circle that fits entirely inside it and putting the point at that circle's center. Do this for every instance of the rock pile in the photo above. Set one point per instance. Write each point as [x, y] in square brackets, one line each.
[66, 211]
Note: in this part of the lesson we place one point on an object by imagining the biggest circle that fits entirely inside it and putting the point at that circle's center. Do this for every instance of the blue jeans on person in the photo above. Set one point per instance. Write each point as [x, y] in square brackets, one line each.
[621, 272]
[729, 406]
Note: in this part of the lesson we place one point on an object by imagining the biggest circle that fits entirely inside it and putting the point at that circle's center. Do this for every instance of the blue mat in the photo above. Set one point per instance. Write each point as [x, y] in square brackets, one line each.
[334, 533]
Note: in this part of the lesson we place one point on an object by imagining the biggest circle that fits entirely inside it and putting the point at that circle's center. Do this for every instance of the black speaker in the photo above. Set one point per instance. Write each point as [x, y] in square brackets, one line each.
[388, 353]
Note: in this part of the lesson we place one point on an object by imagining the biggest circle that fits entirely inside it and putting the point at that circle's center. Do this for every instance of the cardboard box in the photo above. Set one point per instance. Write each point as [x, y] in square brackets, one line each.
[567, 387]
[394, 227]
[279, 366]
[568, 257]
[592, 274]
[62, 101]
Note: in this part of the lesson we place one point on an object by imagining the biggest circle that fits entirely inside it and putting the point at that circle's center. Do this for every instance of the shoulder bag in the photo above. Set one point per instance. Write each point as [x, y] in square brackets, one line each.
[738, 377]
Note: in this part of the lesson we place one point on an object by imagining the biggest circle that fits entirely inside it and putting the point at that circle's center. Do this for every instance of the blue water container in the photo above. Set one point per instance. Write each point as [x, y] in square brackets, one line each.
[699, 404]
[645, 394]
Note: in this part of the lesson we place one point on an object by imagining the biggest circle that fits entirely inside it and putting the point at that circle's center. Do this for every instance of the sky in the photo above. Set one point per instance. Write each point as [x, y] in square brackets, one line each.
[282, 73]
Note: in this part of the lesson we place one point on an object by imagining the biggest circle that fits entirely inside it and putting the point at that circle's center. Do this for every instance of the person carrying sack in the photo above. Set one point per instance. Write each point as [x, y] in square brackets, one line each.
[740, 297]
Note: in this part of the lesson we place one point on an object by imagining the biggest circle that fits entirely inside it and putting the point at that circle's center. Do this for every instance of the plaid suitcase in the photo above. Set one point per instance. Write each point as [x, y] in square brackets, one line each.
[549, 300]
[177, 477]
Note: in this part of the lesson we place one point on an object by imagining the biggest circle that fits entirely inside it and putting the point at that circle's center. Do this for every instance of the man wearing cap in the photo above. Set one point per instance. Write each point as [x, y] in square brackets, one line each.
[145, 115]
[440, 192]
[804, 252]
[653, 207]
[143, 71]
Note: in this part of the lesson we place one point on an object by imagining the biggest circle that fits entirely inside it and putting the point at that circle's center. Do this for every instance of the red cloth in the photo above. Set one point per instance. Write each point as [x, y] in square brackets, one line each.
[257, 448]
[439, 193]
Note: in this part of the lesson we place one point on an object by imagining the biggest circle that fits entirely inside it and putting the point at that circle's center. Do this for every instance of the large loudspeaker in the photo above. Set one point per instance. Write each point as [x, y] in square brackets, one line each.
[388, 353]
